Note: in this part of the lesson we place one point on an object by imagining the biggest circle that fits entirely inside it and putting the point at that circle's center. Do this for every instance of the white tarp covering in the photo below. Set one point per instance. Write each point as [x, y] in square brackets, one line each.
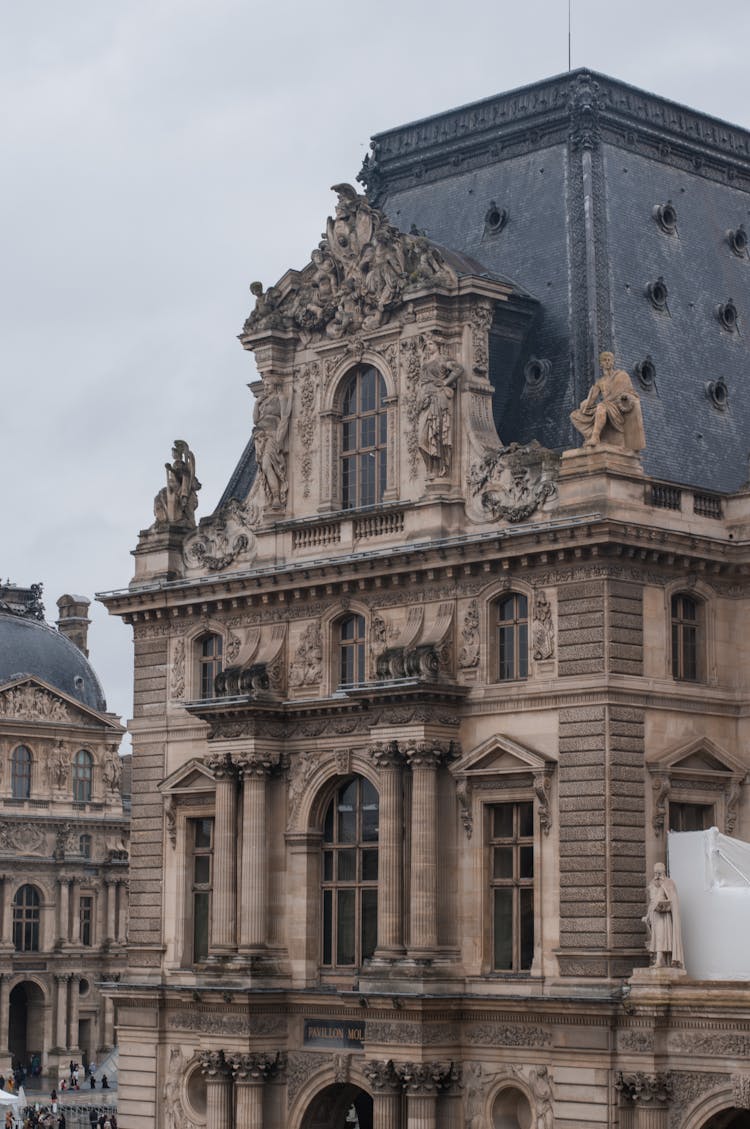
[712, 875]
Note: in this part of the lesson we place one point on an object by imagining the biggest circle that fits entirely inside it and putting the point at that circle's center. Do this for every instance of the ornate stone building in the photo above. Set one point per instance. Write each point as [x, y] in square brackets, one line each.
[63, 839]
[418, 704]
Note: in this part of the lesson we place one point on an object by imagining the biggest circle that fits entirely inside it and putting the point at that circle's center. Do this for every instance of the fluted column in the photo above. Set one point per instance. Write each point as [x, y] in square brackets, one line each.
[389, 760]
[421, 1081]
[108, 1028]
[6, 916]
[645, 1099]
[122, 913]
[425, 757]
[255, 769]
[75, 912]
[110, 887]
[250, 1073]
[224, 900]
[386, 1094]
[63, 911]
[62, 979]
[4, 1013]
[75, 999]
[218, 1075]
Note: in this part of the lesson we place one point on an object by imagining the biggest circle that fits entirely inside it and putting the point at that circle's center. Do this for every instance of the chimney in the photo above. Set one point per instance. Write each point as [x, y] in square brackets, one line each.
[74, 621]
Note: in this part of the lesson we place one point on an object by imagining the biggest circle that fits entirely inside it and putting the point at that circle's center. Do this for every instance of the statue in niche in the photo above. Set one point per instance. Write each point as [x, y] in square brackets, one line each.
[438, 381]
[542, 631]
[662, 920]
[57, 767]
[176, 503]
[271, 430]
[611, 413]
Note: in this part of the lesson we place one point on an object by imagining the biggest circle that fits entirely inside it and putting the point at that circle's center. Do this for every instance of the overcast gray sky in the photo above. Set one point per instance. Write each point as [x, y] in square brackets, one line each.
[159, 155]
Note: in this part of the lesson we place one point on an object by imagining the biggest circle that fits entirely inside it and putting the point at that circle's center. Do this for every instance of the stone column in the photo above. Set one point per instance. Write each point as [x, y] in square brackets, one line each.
[74, 909]
[110, 887]
[250, 1073]
[75, 999]
[386, 1094]
[61, 1010]
[63, 911]
[421, 1081]
[107, 1037]
[218, 1075]
[224, 901]
[425, 757]
[4, 1013]
[6, 916]
[389, 760]
[122, 913]
[644, 1100]
[255, 769]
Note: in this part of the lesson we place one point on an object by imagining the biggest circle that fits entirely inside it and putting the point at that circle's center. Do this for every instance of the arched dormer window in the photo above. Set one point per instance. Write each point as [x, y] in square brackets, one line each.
[351, 650]
[350, 875]
[83, 775]
[20, 773]
[26, 914]
[687, 637]
[512, 637]
[210, 663]
[364, 439]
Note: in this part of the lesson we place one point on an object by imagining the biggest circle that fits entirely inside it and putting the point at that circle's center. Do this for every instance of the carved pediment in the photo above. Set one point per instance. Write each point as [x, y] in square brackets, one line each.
[500, 756]
[31, 699]
[357, 276]
[699, 763]
[193, 778]
[699, 756]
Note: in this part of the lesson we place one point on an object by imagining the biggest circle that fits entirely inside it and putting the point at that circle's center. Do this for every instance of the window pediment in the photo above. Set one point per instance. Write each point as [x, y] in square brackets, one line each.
[699, 765]
[193, 778]
[500, 761]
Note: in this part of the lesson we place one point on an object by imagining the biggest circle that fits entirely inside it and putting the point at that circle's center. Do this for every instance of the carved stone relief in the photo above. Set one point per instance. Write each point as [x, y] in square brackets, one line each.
[438, 384]
[512, 483]
[300, 1066]
[306, 392]
[224, 539]
[23, 836]
[468, 656]
[213, 1023]
[301, 772]
[481, 320]
[507, 1035]
[307, 666]
[33, 704]
[174, 1111]
[177, 680]
[57, 766]
[271, 414]
[741, 1091]
[542, 629]
[688, 1087]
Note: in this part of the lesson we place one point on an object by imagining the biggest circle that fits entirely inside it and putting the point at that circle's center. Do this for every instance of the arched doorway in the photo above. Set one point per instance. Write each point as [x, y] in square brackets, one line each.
[339, 1107]
[729, 1119]
[26, 1026]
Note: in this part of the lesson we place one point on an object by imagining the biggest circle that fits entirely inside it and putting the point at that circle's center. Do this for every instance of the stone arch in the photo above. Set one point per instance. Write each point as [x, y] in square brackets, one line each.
[28, 1005]
[321, 1080]
[329, 769]
[334, 391]
[701, 1114]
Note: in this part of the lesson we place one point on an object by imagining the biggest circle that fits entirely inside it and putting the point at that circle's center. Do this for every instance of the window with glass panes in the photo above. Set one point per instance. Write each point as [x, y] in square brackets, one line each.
[512, 885]
[201, 838]
[512, 637]
[86, 914]
[26, 913]
[690, 817]
[20, 773]
[83, 775]
[352, 650]
[350, 875]
[685, 637]
[84, 846]
[364, 439]
[209, 663]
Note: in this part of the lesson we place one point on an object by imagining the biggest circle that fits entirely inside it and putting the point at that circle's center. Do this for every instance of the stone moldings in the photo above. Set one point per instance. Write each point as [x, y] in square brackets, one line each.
[358, 275]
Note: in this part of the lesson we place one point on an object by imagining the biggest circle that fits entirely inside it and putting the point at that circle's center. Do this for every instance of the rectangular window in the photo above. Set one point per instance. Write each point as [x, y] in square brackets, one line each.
[201, 832]
[690, 817]
[86, 914]
[511, 845]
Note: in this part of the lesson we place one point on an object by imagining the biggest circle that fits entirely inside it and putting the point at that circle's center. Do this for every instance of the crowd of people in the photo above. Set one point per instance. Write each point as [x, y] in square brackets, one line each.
[51, 1114]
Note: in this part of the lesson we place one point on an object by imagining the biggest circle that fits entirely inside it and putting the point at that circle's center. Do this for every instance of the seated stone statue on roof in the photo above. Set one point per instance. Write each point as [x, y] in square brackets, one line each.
[611, 413]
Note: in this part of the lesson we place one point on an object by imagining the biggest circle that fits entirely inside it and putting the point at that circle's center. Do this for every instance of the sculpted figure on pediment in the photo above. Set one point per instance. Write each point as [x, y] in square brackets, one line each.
[356, 278]
[176, 503]
[33, 704]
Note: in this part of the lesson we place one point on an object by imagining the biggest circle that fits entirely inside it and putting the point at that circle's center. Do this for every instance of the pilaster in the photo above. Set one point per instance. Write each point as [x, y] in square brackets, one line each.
[389, 760]
[218, 1075]
[224, 914]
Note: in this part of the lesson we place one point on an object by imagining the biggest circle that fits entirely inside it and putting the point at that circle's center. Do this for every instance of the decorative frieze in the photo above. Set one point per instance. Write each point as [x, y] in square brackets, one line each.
[507, 1035]
[220, 1023]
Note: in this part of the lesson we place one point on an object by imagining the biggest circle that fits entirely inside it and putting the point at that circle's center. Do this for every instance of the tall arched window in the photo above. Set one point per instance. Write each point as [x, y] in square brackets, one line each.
[210, 652]
[352, 650]
[512, 625]
[364, 439]
[26, 920]
[20, 773]
[686, 637]
[350, 875]
[83, 775]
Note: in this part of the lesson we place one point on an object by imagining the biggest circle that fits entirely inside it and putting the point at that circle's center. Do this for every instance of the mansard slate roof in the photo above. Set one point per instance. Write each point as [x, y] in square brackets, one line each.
[28, 646]
[531, 156]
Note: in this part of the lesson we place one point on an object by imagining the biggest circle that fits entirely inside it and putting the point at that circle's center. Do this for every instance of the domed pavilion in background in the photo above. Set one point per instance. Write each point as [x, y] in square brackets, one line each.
[64, 832]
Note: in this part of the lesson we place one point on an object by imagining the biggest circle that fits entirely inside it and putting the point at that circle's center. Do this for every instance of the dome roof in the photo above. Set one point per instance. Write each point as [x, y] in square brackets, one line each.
[28, 646]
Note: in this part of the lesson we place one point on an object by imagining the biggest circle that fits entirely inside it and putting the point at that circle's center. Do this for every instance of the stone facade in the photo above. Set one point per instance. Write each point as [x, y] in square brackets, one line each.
[63, 843]
[413, 711]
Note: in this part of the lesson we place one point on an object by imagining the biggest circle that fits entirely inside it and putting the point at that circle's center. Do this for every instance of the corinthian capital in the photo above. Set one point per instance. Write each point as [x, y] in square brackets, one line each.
[214, 1066]
[425, 1078]
[256, 1068]
[256, 763]
[221, 764]
[382, 1076]
[645, 1088]
[386, 754]
[430, 754]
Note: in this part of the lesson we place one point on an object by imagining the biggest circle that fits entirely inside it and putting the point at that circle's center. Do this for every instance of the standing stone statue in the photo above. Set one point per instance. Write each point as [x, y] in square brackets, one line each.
[611, 413]
[271, 420]
[662, 920]
[438, 380]
[176, 503]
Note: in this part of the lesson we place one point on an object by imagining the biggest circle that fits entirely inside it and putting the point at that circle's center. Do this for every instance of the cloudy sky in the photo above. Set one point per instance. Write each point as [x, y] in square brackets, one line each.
[159, 155]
